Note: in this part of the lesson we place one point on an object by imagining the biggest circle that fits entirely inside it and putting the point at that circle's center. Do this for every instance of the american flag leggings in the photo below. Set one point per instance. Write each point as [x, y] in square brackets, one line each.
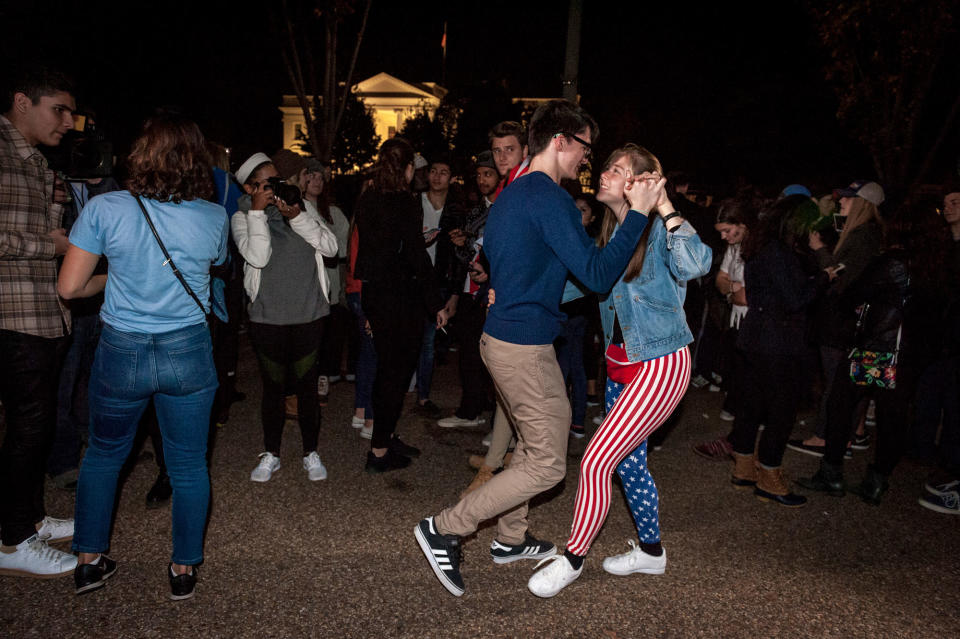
[643, 406]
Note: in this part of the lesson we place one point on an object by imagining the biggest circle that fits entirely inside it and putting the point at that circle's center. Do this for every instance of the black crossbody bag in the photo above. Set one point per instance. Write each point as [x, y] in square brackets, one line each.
[169, 259]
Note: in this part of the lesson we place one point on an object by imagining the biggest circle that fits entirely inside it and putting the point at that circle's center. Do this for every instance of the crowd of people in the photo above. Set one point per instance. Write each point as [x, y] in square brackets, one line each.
[121, 307]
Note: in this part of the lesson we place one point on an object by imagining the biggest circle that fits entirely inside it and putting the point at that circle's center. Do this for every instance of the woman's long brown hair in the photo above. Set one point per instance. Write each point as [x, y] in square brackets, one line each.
[641, 160]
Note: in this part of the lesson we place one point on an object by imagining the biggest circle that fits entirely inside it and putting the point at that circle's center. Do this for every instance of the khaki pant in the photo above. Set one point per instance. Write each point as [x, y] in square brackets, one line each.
[500, 440]
[530, 389]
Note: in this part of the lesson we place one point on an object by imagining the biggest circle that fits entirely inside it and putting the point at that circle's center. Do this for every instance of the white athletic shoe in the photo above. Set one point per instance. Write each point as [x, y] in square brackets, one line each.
[635, 560]
[53, 530]
[555, 577]
[269, 464]
[356, 422]
[366, 433]
[34, 558]
[459, 422]
[316, 471]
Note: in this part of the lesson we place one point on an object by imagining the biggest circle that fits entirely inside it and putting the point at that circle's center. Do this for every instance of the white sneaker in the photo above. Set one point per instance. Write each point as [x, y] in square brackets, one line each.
[727, 416]
[366, 433]
[554, 578]
[54, 530]
[457, 422]
[356, 422]
[635, 560]
[34, 558]
[269, 464]
[333, 379]
[323, 385]
[316, 471]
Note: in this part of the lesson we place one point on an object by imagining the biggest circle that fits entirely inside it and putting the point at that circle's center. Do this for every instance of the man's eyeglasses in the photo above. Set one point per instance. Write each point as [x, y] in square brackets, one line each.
[588, 148]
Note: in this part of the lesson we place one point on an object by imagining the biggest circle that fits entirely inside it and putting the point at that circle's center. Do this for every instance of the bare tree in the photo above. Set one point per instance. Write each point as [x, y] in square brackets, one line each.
[890, 63]
[299, 23]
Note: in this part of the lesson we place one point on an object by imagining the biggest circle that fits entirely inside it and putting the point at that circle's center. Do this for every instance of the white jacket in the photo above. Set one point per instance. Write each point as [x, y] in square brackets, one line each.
[252, 236]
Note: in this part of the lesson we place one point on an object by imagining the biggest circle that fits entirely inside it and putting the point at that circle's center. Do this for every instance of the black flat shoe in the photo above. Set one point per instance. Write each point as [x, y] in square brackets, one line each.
[390, 461]
[89, 577]
[160, 492]
[401, 448]
[182, 586]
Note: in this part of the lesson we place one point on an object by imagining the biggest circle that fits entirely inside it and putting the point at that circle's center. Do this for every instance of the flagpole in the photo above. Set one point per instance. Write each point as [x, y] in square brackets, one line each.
[443, 46]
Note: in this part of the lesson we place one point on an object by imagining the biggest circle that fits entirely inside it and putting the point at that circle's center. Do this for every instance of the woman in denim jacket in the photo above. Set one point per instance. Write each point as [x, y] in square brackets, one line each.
[648, 365]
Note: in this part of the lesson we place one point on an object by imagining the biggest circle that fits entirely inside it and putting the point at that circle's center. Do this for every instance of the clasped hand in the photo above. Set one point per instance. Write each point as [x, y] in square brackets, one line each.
[644, 192]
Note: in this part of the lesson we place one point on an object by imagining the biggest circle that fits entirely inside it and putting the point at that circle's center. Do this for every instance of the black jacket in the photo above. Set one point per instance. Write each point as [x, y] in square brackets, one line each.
[391, 249]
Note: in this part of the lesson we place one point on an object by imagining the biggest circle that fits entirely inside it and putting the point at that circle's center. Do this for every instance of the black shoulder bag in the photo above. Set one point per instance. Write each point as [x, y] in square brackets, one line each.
[169, 259]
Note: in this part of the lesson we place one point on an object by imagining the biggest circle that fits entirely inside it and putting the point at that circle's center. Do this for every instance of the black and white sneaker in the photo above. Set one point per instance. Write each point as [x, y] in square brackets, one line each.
[89, 577]
[531, 548]
[443, 553]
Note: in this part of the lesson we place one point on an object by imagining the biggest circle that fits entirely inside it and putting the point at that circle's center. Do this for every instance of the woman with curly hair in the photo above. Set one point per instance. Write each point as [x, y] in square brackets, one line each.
[155, 343]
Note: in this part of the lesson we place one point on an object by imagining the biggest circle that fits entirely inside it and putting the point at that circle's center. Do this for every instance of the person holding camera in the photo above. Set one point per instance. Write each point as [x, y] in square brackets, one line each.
[283, 244]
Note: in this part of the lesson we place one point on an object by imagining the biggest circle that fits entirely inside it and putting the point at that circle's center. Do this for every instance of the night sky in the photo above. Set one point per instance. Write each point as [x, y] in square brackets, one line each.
[729, 92]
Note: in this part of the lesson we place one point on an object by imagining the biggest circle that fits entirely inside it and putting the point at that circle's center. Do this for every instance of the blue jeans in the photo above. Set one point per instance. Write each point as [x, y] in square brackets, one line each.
[175, 369]
[366, 360]
[570, 357]
[425, 367]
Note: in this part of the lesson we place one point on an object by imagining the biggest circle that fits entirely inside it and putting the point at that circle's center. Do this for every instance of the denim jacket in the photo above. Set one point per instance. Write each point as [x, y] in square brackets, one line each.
[650, 307]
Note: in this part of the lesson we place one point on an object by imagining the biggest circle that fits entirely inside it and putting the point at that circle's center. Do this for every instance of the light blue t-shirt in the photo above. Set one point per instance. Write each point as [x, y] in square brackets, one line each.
[143, 295]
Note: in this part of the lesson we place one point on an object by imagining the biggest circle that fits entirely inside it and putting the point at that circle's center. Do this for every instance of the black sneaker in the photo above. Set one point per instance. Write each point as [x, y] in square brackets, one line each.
[531, 548]
[861, 442]
[390, 461]
[182, 586]
[577, 432]
[89, 577]
[443, 553]
[402, 448]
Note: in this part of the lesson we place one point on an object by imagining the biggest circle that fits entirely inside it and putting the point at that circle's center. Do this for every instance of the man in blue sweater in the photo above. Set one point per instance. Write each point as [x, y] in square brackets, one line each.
[533, 238]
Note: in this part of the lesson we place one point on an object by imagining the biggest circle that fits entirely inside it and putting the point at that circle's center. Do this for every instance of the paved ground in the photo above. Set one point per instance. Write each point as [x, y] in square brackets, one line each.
[337, 558]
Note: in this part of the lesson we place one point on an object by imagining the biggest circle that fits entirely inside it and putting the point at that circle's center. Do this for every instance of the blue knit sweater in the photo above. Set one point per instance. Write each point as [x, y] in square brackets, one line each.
[533, 238]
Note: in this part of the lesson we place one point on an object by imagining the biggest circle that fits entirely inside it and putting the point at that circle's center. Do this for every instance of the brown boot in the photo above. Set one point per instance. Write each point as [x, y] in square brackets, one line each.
[476, 461]
[484, 475]
[290, 407]
[744, 471]
[771, 486]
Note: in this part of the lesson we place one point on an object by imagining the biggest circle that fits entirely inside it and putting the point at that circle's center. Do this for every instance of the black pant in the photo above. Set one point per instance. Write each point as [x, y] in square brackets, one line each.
[769, 397]
[891, 411]
[28, 390]
[474, 379]
[288, 360]
[396, 318]
[336, 326]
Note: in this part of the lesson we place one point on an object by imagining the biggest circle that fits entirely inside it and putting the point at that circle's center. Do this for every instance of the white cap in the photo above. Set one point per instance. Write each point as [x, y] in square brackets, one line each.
[419, 161]
[255, 160]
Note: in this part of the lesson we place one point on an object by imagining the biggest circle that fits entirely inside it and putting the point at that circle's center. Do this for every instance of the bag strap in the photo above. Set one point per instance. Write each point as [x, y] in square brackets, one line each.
[169, 259]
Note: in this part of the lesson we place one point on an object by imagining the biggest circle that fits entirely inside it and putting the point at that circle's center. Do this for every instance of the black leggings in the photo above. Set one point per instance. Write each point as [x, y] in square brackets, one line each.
[288, 361]
[396, 318]
[892, 410]
[769, 396]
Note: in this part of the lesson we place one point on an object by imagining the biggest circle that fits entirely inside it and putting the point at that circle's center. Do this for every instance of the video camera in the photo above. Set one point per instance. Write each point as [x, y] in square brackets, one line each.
[83, 153]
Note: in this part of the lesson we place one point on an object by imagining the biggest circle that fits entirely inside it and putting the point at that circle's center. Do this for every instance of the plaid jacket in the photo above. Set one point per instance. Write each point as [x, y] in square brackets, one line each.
[28, 268]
